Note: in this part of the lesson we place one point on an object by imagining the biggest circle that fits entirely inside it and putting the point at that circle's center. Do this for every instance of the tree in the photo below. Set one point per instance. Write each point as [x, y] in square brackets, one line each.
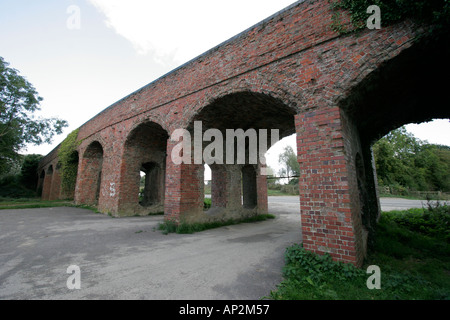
[405, 161]
[28, 172]
[19, 100]
[288, 159]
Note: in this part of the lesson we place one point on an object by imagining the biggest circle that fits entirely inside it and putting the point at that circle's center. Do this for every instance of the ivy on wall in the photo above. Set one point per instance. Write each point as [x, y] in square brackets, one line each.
[68, 161]
[433, 13]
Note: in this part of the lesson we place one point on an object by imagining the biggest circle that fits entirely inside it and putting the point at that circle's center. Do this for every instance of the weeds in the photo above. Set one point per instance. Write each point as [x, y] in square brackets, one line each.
[189, 228]
[411, 249]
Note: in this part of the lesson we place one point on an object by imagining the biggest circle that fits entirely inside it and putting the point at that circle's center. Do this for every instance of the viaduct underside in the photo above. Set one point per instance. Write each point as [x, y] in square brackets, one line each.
[291, 72]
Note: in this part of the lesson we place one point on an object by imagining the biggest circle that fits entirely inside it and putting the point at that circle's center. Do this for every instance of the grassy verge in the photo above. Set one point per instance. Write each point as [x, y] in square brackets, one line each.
[29, 203]
[414, 197]
[271, 192]
[412, 251]
[188, 228]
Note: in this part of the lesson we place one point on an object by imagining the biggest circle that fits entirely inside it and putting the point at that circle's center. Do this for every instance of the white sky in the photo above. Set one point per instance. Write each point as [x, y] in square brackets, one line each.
[121, 46]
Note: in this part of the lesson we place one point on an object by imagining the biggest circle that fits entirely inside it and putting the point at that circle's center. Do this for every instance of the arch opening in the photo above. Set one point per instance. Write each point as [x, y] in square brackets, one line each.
[237, 130]
[40, 185]
[70, 175]
[249, 187]
[150, 187]
[143, 173]
[405, 89]
[90, 177]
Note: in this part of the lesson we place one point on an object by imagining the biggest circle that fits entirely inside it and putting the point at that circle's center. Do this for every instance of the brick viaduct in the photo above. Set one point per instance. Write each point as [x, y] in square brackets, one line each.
[292, 72]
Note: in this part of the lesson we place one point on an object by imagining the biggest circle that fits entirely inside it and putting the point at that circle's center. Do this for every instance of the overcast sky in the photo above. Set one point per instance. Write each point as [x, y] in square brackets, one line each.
[81, 64]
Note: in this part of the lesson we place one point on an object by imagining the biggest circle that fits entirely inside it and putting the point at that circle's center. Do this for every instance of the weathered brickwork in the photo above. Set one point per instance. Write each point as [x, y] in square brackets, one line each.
[290, 72]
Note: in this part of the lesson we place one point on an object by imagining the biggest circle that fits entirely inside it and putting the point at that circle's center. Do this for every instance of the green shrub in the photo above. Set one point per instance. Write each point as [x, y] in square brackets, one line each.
[188, 228]
[207, 203]
[411, 248]
[434, 221]
[68, 159]
[11, 187]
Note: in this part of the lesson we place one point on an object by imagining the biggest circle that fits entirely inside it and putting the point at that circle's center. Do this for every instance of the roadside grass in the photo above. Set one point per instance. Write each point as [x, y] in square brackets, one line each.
[271, 192]
[188, 228]
[411, 249]
[30, 203]
[413, 197]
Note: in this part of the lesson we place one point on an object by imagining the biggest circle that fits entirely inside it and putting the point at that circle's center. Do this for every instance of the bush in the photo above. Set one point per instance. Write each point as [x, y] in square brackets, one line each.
[207, 203]
[317, 267]
[11, 187]
[434, 221]
[411, 249]
[28, 172]
[169, 226]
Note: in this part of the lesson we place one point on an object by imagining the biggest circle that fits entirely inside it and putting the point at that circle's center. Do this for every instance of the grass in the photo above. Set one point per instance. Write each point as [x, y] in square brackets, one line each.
[411, 249]
[414, 197]
[28, 203]
[207, 203]
[271, 192]
[188, 228]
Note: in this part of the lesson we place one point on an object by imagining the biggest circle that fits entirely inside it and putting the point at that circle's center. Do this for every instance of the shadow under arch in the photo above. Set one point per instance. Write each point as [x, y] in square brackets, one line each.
[90, 175]
[409, 88]
[256, 115]
[145, 150]
[47, 183]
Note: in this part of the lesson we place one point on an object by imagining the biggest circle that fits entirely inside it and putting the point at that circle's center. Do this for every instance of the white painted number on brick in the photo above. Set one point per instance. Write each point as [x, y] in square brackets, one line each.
[112, 189]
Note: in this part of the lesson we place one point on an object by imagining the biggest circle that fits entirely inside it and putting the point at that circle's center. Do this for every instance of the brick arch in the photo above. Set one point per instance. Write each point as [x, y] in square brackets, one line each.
[40, 184]
[90, 170]
[144, 150]
[157, 119]
[340, 89]
[231, 109]
[404, 88]
[382, 91]
[246, 109]
[47, 183]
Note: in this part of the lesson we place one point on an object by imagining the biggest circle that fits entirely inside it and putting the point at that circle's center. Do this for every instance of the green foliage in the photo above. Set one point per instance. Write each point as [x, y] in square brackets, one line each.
[433, 222]
[12, 187]
[433, 13]
[207, 203]
[28, 172]
[317, 267]
[288, 159]
[68, 160]
[188, 228]
[413, 262]
[403, 162]
[22, 182]
[19, 101]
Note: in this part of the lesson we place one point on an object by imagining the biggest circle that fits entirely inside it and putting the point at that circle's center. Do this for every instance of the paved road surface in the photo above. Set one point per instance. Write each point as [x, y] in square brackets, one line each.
[127, 259]
[387, 204]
